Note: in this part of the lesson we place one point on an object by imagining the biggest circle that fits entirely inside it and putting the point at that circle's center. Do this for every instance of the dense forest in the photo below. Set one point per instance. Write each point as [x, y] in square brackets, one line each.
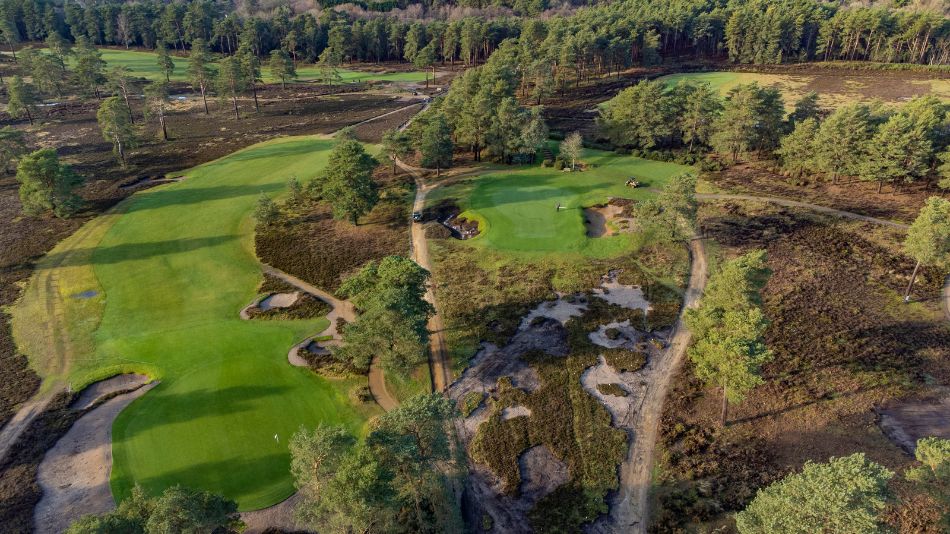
[595, 39]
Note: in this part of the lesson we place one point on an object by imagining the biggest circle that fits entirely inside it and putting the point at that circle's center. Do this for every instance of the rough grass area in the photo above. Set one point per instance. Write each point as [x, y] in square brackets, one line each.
[145, 64]
[517, 210]
[765, 178]
[612, 389]
[172, 268]
[309, 243]
[843, 343]
[570, 422]
[835, 88]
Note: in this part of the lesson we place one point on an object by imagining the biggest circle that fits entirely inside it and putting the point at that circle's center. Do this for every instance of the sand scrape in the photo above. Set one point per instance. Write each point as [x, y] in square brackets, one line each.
[74, 474]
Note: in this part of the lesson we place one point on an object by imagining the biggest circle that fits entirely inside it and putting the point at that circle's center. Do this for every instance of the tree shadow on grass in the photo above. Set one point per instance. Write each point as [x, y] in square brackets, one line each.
[157, 199]
[131, 251]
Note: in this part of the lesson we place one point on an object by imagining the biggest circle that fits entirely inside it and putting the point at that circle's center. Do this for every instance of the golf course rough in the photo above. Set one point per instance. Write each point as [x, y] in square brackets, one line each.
[145, 64]
[517, 210]
[174, 269]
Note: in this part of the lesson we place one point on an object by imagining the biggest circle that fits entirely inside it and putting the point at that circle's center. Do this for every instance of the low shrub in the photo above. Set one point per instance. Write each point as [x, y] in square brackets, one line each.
[612, 389]
[470, 402]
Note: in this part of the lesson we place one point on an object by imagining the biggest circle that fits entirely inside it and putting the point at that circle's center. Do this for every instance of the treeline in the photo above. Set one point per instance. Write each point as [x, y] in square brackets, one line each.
[593, 40]
[872, 142]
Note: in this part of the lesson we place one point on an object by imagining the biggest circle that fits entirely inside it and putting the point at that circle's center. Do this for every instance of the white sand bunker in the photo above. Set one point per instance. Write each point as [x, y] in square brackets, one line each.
[515, 411]
[616, 335]
[278, 300]
[561, 310]
[630, 297]
[622, 409]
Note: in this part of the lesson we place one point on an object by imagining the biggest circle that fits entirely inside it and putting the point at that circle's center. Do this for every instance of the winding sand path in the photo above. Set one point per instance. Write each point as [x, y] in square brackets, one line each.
[798, 204]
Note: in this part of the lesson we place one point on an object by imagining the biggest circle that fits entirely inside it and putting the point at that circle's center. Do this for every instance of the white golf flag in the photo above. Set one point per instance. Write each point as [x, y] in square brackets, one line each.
[276, 438]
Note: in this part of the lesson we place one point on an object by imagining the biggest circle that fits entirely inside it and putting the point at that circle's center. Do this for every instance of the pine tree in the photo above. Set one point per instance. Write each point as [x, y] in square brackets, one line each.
[48, 185]
[898, 152]
[116, 127]
[231, 81]
[928, 239]
[797, 150]
[21, 99]
[165, 62]
[349, 181]
[120, 82]
[436, 146]
[199, 70]
[156, 99]
[281, 67]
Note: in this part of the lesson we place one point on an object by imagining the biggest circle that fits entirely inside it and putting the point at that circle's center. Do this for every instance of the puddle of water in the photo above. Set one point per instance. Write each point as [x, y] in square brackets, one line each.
[85, 294]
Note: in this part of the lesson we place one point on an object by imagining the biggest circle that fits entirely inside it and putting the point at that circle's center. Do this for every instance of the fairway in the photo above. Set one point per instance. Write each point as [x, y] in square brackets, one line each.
[517, 209]
[145, 64]
[172, 269]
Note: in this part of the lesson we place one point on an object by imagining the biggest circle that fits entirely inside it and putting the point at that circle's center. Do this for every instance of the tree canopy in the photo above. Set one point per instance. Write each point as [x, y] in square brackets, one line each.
[843, 495]
[349, 181]
[46, 185]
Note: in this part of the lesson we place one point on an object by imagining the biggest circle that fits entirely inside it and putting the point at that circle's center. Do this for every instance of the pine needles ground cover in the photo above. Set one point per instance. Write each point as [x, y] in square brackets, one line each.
[168, 275]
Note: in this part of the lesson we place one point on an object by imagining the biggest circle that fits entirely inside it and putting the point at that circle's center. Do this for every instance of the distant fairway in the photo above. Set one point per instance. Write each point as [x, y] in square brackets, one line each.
[172, 269]
[834, 88]
[517, 208]
[144, 64]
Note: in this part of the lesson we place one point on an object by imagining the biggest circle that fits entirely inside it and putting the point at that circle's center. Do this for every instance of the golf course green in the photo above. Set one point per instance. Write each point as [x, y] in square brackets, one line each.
[168, 274]
[517, 209]
[145, 64]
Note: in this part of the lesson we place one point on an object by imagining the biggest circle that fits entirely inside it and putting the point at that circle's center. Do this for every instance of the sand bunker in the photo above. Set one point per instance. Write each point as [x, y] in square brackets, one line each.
[596, 218]
[630, 297]
[560, 310]
[278, 300]
[515, 411]
[906, 422]
[622, 409]
[74, 474]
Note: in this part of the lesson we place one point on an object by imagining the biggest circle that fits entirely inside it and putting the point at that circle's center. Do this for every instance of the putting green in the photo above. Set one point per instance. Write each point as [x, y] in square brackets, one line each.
[517, 209]
[172, 269]
[144, 64]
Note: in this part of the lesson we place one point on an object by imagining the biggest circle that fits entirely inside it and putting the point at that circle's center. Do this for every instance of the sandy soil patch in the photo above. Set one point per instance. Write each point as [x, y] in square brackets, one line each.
[483, 489]
[622, 409]
[561, 310]
[630, 297]
[626, 335]
[74, 474]
[515, 411]
[541, 473]
[906, 422]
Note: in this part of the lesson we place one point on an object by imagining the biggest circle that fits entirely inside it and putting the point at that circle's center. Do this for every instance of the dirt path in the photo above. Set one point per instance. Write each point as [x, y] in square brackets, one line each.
[74, 474]
[439, 366]
[797, 204]
[628, 509]
[393, 112]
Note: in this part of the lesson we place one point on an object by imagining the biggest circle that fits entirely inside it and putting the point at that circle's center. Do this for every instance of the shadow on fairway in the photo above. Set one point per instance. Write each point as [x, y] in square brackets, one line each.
[178, 196]
[180, 407]
[241, 468]
[283, 150]
[131, 251]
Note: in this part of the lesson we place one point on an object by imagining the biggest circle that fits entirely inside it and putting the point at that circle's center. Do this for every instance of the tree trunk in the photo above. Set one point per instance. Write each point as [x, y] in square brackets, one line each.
[118, 144]
[237, 114]
[257, 107]
[29, 115]
[205, 99]
[128, 106]
[725, 408]
[880, 185]
[913, 278]
[161, 119]
[438, 171]
[167, 79]
[12, 51]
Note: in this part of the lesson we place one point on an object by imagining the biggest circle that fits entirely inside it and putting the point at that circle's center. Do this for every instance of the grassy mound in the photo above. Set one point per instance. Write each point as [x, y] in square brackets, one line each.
[170, 270]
